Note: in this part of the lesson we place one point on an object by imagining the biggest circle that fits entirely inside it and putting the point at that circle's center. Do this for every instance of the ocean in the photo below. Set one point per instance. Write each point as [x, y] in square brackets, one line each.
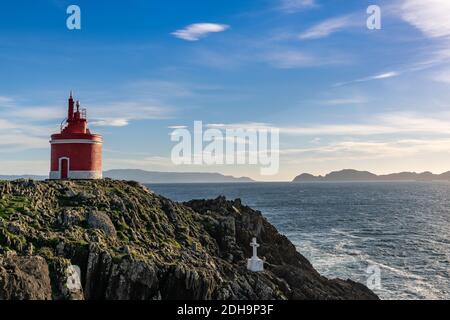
[401, 228]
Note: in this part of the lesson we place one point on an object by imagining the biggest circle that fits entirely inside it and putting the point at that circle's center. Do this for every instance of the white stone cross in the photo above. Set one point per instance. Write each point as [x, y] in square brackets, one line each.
[255, 264]
[255, 248]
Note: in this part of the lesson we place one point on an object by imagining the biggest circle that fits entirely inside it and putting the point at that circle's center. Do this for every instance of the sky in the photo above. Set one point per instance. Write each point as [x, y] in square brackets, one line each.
[342, 95]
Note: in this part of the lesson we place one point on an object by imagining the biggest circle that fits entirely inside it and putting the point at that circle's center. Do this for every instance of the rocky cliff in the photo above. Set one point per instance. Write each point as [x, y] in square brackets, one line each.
[118, 240]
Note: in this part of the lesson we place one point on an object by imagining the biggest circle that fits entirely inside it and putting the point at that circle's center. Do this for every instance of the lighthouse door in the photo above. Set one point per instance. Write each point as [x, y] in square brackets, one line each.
[64, 166]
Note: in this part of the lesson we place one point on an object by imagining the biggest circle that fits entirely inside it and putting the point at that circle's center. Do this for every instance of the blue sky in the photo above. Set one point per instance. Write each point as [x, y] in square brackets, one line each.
[342, 95]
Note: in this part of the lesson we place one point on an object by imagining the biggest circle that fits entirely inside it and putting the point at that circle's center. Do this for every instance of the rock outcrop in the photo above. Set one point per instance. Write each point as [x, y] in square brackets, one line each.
[24, 278]
[118, 240]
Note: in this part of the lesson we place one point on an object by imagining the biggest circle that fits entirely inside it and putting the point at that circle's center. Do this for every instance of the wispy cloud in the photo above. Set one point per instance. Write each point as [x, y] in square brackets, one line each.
[37, 113]
[119, 114]
[6, 101]
[442, 76]
[234, 126]
[290, 6]
[288, 58]
[21, 141]
[15, 136]
[177, 127]
[379, 76]
[380, 124]
[328, 27]
[431, 17]
[197, 31]
[371, 149]
[115, 114]
[344, 101]
[111, 122]
[20, 167]
[384, 136]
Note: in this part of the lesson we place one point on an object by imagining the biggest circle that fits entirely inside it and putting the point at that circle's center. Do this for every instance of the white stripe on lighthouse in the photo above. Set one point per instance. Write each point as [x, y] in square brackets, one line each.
[77, 175]
[67, 141]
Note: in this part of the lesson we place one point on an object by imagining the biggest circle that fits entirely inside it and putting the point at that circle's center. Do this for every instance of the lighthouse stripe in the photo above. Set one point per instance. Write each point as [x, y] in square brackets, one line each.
[68, 141]
[81, 175]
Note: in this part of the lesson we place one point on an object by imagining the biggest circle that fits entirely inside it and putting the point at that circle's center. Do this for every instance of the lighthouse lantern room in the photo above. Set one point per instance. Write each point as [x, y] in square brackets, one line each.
[76, 153]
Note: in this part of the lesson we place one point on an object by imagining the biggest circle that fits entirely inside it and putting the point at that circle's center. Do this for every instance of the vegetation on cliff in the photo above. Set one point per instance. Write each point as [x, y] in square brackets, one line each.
[130, 243]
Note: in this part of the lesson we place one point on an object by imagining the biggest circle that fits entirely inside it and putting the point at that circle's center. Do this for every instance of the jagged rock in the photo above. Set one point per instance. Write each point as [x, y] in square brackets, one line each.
[69, 218]
[70, 193]
[24, 278]
[66, 280]
[130, 243]
[100, 220]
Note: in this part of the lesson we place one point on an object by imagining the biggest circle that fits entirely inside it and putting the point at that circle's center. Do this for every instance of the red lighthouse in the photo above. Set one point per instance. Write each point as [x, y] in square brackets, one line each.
[76, 153]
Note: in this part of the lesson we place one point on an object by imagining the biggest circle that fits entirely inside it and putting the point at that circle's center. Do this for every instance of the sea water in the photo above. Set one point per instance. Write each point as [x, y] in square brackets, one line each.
[403, 228]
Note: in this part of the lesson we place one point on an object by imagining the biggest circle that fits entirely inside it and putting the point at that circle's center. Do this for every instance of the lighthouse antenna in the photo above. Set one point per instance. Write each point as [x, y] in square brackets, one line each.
[70, 109]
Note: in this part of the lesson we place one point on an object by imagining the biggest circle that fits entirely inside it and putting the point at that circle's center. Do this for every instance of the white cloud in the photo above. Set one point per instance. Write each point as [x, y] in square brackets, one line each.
[431, 17]
[442, 76]
[327, 27]
[116, 114]
[371, 143]
[289, 59]
[21, 136]
[113, 122]
[344, 101]
[379, 76]
[380, 124]
[197, 31]
[21, 141]
[38, 113]
[281, 57]
[286, 58]
[371, 149]
[119, 114]
[6, 101]
[243, 125]
[20, 167]
[291, 6]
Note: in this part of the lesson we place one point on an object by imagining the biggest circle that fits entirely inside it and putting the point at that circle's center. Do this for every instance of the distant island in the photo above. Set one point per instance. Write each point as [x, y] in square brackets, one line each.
[355, 175]
[143, 176]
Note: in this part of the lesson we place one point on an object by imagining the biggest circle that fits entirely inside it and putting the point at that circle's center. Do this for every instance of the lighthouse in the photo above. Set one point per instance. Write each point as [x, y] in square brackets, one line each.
[76, 153]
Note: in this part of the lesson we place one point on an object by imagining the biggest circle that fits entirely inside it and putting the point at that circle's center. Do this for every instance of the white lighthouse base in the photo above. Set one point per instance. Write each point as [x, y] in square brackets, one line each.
[77, 175]
[255, 264]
